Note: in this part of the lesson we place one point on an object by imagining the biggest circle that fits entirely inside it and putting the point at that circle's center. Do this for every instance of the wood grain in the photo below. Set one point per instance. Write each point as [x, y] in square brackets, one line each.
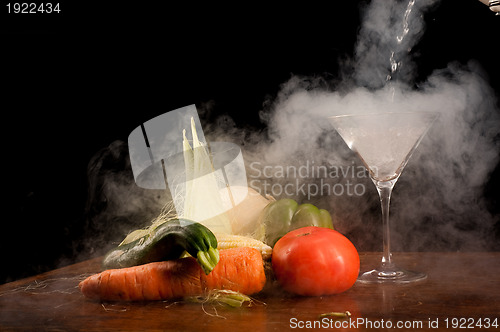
[459, 285]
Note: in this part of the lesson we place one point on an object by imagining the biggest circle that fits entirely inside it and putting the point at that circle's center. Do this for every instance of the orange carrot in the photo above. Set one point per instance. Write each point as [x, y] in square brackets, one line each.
[239, 269]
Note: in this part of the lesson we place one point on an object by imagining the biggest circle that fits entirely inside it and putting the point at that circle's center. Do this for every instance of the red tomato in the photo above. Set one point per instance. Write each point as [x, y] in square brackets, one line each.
[314, 261]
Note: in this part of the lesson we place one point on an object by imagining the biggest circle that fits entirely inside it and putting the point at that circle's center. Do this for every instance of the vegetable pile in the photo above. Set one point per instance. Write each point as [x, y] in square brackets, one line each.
[199, 252]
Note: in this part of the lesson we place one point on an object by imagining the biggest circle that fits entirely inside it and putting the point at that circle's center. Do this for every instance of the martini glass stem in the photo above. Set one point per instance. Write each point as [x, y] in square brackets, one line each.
[385, 201]
[385, 190]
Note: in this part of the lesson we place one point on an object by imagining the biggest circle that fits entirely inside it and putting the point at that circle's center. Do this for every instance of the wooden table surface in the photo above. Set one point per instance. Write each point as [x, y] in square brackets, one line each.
[461, 289]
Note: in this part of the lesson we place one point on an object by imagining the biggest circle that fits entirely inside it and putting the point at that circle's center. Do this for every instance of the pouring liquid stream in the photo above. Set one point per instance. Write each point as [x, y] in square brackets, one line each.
[394, 61]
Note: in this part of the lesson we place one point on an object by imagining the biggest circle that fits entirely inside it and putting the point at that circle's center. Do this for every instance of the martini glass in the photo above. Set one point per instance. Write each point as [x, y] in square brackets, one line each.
[385, 143]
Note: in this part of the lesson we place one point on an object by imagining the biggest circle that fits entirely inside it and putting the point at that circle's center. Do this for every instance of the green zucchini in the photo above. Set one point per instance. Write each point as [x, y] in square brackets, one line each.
[166, 242]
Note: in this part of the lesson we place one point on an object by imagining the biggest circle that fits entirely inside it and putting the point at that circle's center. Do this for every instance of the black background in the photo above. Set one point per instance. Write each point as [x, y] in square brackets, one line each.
[75, 82]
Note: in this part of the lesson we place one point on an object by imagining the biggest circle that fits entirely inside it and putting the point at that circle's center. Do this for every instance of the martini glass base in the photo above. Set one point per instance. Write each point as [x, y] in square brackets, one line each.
[394, 275]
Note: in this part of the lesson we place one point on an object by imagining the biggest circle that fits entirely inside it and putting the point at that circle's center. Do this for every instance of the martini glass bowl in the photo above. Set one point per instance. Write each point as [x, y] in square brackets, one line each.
[385, 142]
